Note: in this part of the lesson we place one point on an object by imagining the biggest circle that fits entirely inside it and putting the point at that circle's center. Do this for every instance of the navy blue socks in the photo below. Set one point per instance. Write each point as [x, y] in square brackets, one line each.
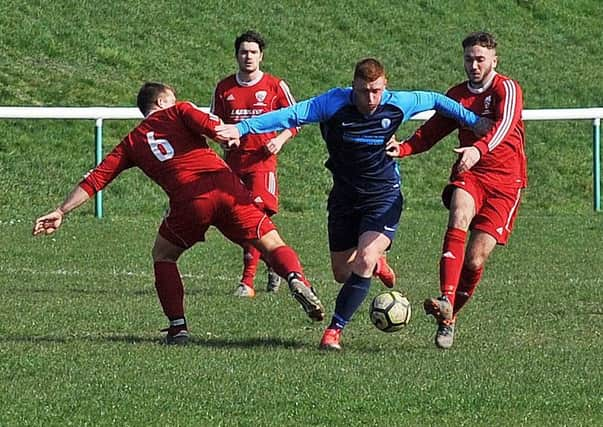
[351, 296]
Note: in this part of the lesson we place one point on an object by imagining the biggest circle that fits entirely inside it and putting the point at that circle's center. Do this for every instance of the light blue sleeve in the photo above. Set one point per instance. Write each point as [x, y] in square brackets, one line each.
[313, 110]
[415, 102]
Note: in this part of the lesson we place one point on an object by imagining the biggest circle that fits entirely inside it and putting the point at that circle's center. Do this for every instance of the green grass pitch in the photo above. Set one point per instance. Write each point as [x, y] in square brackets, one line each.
[79, 318]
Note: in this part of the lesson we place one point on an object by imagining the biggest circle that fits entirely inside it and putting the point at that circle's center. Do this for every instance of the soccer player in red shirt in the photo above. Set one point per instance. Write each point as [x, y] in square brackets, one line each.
[484, 191]
[247, 93]
[169, 146]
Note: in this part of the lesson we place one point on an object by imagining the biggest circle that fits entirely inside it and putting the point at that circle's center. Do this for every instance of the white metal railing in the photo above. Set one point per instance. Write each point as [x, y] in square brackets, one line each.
[98, 114]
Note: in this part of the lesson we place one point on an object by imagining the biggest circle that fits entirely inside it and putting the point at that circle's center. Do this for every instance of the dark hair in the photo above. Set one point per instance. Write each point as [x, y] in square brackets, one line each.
[369, 70]
[250, 36]
[149, 93]
[480, 38]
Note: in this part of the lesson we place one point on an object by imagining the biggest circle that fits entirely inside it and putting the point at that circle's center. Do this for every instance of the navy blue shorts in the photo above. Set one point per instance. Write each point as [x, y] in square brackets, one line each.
[352, 214]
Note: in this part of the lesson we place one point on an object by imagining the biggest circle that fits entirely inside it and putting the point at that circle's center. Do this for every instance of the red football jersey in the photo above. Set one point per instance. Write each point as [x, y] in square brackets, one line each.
[503, 160]
[234, 101]
[169, 147]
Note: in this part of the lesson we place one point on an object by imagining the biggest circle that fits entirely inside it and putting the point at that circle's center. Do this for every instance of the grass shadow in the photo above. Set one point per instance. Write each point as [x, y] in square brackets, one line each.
[215, 343]
[209, 291]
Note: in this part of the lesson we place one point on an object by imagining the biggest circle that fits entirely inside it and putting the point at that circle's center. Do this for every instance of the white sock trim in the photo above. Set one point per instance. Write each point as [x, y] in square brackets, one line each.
[178, 322]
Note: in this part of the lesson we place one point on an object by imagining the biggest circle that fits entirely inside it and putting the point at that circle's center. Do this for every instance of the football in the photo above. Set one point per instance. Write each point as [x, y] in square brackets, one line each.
[389, 311]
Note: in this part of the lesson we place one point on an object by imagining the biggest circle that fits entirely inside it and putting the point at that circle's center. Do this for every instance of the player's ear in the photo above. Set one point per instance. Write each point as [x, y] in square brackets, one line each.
[162, 100]
[494, 61]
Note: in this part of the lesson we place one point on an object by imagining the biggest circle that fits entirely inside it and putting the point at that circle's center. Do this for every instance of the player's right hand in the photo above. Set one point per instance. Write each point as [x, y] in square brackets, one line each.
[469, 156]
[48, 223]
[227, 133]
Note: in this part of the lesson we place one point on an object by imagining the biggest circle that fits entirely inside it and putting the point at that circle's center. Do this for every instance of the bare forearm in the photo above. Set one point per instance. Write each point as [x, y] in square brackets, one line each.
[275, 144]
[76, 198]
[49, 223]
[284, 136]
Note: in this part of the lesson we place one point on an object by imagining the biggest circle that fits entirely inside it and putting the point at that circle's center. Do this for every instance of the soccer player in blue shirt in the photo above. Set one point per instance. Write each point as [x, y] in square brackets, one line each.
[365, 202]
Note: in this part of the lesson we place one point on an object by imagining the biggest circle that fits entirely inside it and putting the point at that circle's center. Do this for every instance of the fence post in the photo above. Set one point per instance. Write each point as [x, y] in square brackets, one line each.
[597, 163]
[98, 156]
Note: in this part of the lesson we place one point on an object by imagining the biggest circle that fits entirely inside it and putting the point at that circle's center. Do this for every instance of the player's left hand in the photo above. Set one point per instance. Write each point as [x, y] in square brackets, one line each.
[469, 157]
[483, 126]
[274, 145]
[392, 148]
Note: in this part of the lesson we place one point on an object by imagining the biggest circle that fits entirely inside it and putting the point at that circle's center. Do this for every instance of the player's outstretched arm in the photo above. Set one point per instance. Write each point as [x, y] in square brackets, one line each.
[49, 223]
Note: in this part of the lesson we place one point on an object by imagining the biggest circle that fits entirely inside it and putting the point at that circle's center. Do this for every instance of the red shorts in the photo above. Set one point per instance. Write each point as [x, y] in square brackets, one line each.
[223, 202]
[495, 206]
[264, 188]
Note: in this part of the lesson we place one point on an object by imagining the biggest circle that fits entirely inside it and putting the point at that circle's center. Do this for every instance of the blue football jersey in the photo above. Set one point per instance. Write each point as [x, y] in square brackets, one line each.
[356, 142]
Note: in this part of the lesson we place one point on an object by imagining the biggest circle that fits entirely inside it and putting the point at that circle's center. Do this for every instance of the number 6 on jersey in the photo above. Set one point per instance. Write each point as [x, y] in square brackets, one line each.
[161, 148]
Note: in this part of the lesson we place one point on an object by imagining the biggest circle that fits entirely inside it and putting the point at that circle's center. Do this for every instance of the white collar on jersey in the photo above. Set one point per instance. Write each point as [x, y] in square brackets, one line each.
[484, 87]
[249, 83]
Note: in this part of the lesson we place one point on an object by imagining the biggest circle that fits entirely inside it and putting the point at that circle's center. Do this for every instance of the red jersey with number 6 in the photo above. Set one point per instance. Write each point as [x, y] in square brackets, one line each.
[234, 101]
[169, 146]
[503, 160]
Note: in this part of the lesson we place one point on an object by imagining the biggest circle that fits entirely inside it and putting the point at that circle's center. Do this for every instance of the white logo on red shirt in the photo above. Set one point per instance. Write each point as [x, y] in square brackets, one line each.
[230, 97]
[487, 104]
[260, 95]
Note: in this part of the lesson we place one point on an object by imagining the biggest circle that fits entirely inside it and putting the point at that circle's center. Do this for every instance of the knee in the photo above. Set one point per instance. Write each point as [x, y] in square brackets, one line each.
[269, 242]
[159, 256]
[474, 262]
[459, 219]
[365, 262]
[165, 252]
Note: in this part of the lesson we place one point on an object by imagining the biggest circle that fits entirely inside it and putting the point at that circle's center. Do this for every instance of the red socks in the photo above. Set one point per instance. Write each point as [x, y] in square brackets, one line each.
[251, 258]
[169, 289]
[466, 288]
[284, 261]
[453, 255]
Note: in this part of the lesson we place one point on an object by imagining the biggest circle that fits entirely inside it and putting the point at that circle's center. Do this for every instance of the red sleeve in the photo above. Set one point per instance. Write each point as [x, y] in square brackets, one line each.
[285, 99]
[111, 166]
[200, 122]
[432, 131]
[506, 115]
[217, 103]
